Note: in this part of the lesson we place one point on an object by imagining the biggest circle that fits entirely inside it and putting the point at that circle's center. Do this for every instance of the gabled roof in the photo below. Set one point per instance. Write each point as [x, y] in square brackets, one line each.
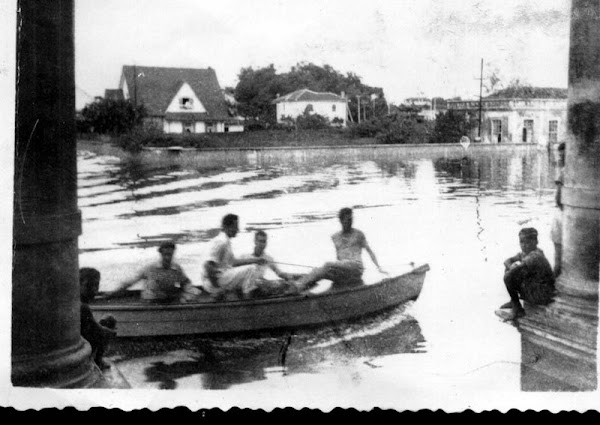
[306, 95]
[114, 94]
[155, 87]
[529, 93]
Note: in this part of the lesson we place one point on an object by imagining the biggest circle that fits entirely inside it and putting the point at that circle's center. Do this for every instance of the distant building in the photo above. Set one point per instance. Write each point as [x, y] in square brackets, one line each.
[519, 115]
[420, 102]
[113, 94]
[179, 100]
[437, 106]
[329, 105]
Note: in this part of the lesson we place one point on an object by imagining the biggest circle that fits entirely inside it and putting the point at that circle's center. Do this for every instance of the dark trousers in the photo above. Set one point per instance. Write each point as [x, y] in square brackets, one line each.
[519, 284]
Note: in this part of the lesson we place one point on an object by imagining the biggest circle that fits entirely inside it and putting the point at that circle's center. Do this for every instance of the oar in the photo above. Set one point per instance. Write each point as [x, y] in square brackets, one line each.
[412, 264]
[297, 265]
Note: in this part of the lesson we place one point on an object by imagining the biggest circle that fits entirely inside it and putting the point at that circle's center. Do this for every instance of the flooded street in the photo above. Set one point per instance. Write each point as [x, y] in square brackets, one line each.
[457, 210]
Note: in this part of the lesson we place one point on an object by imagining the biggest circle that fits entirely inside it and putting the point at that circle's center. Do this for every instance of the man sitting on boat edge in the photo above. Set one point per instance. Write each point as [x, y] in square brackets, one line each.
[348, 269]
[262, 287]
[165, 280]
[224, 273]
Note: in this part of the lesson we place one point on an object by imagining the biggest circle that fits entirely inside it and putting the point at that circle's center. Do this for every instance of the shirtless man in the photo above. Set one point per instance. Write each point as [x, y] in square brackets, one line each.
[348, 269]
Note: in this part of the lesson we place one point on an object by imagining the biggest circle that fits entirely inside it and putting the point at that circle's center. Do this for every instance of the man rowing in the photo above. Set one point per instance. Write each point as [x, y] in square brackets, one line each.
[348, 269]
[164, 280]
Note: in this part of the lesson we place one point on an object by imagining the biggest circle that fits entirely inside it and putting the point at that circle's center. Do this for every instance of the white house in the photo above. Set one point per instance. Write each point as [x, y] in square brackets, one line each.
[522, 115]
[329, 105]
[179, 100]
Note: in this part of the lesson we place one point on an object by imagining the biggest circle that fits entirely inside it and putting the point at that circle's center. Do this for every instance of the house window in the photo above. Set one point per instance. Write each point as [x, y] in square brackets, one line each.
[553, 131]
[309, 108]
[527, 131]
[186, 103]
[188, 127]
[333, 108]
[496, 131]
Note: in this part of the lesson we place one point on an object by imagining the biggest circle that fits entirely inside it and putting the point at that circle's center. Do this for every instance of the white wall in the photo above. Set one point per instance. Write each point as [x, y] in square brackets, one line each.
[123, 86]
[200, 127]
[186, 92]
[541, 119]
[295, 109]
[236, 128]
[173, 127]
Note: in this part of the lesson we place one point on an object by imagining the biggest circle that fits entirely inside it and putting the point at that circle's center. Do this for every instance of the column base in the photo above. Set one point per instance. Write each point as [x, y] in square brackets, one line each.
[71, 367]
[558, 346]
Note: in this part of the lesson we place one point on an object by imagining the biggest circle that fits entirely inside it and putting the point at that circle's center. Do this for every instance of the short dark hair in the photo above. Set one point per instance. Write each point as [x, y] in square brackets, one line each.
[87, 274]
[166, 245]
[529, 233]
[228, 220]
[260, 233]
[344, 212]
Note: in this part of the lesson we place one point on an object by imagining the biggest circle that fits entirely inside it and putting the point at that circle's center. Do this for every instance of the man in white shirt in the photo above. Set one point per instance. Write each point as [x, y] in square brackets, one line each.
[223, 272]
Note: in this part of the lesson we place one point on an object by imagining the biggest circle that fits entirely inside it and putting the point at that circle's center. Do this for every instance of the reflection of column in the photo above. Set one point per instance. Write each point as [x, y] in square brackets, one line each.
[47, 349]
[559, 341]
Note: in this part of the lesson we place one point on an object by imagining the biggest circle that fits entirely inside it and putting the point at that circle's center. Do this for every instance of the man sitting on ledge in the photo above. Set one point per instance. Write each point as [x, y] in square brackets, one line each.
[528, 274]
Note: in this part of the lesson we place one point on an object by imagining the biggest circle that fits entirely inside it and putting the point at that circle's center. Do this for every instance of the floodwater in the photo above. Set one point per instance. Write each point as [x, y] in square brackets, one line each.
[457, 210]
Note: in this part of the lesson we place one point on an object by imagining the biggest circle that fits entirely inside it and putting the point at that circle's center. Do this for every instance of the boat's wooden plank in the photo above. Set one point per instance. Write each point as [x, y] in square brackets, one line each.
[139, 319]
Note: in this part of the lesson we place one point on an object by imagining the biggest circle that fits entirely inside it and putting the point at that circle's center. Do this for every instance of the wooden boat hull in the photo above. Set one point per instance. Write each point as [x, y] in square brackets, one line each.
[207, 317]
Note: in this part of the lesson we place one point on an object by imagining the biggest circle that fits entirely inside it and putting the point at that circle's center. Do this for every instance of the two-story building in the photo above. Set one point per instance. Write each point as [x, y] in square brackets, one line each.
[519, 115]
[179, 100]
[329, 105]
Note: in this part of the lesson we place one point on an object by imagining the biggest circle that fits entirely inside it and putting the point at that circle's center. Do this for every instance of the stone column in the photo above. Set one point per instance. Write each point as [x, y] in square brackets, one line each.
[47, 349]
[559, 341]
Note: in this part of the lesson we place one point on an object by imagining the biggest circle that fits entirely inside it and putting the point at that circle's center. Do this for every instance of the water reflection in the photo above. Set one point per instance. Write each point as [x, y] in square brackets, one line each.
[220, 362]
[459, 211]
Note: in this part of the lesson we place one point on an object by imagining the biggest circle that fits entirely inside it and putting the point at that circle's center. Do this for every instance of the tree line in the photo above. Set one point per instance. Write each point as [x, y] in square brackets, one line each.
[257, 88]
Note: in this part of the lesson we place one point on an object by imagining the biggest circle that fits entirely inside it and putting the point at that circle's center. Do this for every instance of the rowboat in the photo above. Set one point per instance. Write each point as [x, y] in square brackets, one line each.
[206, 316]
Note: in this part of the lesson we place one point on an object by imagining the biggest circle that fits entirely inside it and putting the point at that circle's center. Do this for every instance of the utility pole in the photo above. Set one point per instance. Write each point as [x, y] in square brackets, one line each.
[480, 98]
[358, 103]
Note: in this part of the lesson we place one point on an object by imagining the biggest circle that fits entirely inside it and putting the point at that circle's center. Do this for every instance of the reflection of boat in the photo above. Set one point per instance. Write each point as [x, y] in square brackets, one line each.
[136, 318]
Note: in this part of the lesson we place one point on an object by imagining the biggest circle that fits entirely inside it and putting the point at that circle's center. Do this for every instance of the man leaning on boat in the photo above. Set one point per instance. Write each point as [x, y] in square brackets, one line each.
[165, 280]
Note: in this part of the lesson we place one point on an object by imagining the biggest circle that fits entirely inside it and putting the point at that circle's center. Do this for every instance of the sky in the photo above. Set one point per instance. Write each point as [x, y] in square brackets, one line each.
[407, 47]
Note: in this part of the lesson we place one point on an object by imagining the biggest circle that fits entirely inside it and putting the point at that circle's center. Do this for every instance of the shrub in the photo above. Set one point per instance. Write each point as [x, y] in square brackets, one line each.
[107, 116]
[450, 126]
[308, 121]
[134, 140]
[368, 128]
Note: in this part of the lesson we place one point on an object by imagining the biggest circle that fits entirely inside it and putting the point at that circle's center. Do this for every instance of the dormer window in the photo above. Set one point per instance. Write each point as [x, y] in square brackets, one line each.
[186, 103]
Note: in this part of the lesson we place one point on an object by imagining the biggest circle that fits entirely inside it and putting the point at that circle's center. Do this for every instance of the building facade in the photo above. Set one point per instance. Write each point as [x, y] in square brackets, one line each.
[535, 115]
[179, 100]
[329, 105]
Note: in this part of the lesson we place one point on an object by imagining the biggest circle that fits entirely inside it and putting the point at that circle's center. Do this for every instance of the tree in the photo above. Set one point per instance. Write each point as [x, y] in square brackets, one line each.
[257, 89]
[255, 92]
[107, 116]
[450, 126]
